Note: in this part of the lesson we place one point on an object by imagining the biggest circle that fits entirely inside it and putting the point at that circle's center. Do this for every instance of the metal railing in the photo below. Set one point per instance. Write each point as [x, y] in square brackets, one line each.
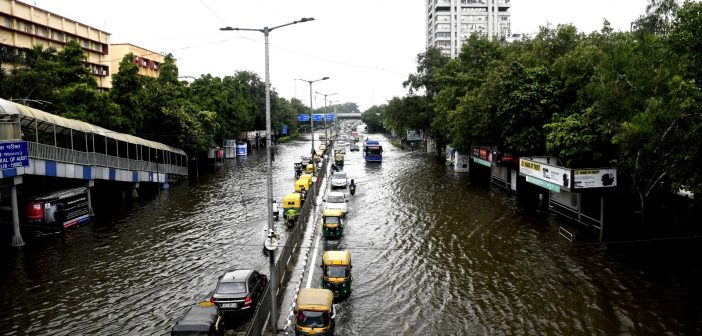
[58, 154]
[291, 246]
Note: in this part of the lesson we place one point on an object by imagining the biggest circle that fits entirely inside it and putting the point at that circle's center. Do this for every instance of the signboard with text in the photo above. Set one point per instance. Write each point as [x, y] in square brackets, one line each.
[284, 131]
[317, 117]
[553, 174]
[594, 178]
[303, 117]
[330, 117]
[14, 154]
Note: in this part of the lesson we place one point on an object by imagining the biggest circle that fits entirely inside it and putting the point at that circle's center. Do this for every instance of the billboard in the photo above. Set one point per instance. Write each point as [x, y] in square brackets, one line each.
[594, 178]
[413, 135]
[557, 175]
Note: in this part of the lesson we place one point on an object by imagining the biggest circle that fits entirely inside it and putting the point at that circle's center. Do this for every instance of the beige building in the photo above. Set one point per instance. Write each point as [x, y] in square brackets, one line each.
[148, 62]
[23, 26]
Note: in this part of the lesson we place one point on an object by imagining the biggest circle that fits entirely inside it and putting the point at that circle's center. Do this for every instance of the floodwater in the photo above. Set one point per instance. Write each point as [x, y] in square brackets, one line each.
[432, 255]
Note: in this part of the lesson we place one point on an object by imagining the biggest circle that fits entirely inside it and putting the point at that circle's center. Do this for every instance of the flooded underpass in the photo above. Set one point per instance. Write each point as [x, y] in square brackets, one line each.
[432, 255]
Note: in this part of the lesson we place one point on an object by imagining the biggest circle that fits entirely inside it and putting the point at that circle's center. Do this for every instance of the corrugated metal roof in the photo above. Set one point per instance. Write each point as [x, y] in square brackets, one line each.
[8, 107]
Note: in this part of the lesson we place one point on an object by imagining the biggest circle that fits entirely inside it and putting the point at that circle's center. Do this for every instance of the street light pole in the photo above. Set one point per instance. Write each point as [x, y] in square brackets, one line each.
[326, 138]
[312, 111]
[271, 243]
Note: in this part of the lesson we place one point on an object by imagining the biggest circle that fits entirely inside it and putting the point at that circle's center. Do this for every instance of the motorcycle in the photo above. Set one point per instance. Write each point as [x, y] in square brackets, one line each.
[352, 188]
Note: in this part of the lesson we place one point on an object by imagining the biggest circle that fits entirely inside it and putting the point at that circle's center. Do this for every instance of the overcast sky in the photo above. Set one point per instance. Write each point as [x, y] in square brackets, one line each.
[366, 47]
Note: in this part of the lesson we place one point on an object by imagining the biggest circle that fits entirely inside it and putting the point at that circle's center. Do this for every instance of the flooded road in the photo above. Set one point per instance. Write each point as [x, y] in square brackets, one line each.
[432, 255]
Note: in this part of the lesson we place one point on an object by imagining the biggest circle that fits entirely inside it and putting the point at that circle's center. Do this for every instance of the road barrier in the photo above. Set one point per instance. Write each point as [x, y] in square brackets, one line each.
[291, 246]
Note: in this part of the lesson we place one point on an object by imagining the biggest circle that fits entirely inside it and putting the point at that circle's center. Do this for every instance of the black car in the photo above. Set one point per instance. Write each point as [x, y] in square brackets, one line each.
[239, 291]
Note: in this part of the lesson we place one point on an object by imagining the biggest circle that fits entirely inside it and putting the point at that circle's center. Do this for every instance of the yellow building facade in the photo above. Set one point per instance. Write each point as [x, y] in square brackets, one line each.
[22, 26]
[148, 62]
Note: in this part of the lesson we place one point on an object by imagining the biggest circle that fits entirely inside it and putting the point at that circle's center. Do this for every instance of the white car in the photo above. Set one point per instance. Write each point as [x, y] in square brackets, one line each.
[339, 180]
[336, 200]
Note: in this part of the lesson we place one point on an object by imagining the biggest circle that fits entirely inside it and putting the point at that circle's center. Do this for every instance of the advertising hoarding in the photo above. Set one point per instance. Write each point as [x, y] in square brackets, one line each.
[413, 135]
[552, 174]
[594, 178]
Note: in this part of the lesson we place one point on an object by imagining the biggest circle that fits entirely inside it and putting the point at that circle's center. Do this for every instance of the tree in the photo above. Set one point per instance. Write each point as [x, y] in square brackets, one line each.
[373, 118]
[127, 92]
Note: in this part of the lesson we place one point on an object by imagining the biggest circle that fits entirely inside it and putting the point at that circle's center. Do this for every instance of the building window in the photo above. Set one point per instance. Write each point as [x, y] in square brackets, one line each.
[57, 35]
[6, 21]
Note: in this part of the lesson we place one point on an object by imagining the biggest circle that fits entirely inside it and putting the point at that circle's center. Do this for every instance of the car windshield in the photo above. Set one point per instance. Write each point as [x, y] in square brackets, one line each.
[336, 271]
[332, 220]
[339, 175]
[312, 319]
[231, 288]
[335, 199]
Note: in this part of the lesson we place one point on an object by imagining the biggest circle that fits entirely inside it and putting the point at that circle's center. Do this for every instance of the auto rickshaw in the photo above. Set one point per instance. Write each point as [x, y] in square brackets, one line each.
[305, 180]
[332, 223]
[339, 160]
[202, 319]
[336, 273]
[314, 312]
[292, 203]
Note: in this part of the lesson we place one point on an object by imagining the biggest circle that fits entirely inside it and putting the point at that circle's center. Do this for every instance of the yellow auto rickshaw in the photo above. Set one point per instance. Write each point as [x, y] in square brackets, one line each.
[339, 160]
[332, 223]
[336, 273]
[305, 180]
[309, 168]
[314, 312]
[292, 203]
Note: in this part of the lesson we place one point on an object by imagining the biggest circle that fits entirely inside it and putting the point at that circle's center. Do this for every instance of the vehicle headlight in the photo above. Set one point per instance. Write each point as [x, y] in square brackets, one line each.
[343, 284]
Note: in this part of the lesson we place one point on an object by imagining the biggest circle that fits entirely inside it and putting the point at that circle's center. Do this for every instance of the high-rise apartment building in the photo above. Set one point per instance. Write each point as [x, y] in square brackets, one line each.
[450, 22]
[22, 26]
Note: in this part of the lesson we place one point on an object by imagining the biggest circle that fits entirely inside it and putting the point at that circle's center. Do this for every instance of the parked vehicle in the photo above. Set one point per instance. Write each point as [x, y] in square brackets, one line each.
[332, 223]
[238, 292]
[292, 203]
[336, 200]
[336, 273]
[355, 148]
[339, 180]
[60, 209]
[201, 319]
[315, 313]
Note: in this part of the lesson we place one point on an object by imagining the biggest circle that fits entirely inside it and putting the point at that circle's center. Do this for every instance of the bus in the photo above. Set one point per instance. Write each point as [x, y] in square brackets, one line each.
[58, 209]
[373, 151]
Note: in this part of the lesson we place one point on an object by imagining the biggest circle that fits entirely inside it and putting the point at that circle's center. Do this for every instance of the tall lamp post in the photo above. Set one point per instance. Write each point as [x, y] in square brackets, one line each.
[326, 137]
[312, 111]
[335, 124]
[271, 243]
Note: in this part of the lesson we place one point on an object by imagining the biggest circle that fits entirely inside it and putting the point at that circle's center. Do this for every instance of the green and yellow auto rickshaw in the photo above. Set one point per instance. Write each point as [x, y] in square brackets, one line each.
[339, 159]
[332, 223]
[292, 203]
[314, 312]
[336, 273]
